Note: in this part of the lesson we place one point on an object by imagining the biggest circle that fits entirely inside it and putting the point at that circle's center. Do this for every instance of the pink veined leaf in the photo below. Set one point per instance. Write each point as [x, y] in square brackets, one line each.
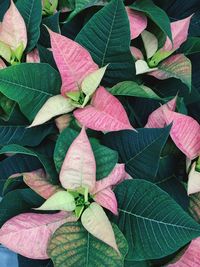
[185, 133]
[137, 54]
[106, 198]
[105, 113]
[13, 28]
[73, 61]
[193, 181]
[177, 66]
[179, 34]
[156, 118]
[79, 166]
[117, 176]
[2, 64]
[191, 257]
[138, 22]
[38, 182]
[28, 234]
[33, 56]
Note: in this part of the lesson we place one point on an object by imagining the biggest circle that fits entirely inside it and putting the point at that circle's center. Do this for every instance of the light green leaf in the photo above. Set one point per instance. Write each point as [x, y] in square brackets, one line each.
[142, 67]
[150, 43]
[91, 82]
[26, 84]
[55, 105]
[61, 200]
[153, 223]
[5, 51]
[112, 45]
[74, 246]
[130, 88]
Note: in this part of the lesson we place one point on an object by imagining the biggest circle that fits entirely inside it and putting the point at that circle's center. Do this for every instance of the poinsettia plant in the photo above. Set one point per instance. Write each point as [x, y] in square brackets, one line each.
[100, 132]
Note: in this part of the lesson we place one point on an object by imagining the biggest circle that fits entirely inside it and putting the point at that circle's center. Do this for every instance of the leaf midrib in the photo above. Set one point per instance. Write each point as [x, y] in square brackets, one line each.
[25, 87]
[109, 36]
[156, 221]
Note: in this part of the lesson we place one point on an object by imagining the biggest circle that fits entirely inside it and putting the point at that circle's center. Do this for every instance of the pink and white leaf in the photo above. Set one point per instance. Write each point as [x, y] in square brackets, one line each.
[33, 56]
[97, 223]
[191, 257]
[193, 181]
[28, 234]
[179, 30]
[138, 22]
[73, 61]
[13, 29]
[79, 166]
[105, 113]
[177, 66]
[185, 133]
[117, 176]
[106, 198]
[137, 54]
[38, 182]
[156, 118]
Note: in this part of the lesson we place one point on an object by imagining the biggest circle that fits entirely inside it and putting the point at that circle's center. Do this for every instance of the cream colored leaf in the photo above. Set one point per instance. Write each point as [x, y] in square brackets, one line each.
[142, 67]
[54, 106]
[96, 223]
[61, 200]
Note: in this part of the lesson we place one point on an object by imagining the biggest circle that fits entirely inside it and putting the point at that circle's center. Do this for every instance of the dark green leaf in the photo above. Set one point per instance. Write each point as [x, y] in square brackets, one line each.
[26, 262]
[191, 46]
[21, 135]
[153, 223]
[27, 84]
[18, 201]
[45, 157]
[140, 151]
[31, 12]
[46, 56]
[4, 4]
[156, 14]
[107, 37]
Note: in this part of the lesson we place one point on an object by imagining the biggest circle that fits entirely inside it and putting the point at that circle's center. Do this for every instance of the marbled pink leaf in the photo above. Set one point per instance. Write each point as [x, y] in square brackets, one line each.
[185, 133]
[137, 54]
[28, 234]
[138, 22]
[38, 182]
[179, 30]
[177, 66]
[73, 61]
[156, 118]
[79, 166]
[106, 198]
[191, 257]
[33, 56]
[13, 28]
[105, 113]
[2, 64]
[117, 176]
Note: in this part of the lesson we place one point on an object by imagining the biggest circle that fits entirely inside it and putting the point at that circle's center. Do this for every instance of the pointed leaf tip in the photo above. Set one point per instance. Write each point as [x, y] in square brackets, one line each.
[79, 166]
[61, 200]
